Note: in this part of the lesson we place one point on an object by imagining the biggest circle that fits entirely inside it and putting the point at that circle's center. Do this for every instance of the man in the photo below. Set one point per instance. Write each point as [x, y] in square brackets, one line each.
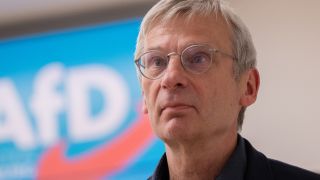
[197, 68]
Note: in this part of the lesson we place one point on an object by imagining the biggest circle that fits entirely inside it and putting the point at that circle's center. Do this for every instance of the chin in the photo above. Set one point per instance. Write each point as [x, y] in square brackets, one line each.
[177, 130]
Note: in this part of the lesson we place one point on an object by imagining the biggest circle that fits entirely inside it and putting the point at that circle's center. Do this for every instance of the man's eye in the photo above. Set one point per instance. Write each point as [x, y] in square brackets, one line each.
[157, 62]
[199, 58]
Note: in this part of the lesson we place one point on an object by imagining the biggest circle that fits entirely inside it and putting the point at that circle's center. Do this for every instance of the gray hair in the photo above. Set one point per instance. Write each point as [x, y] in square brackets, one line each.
[242, 45]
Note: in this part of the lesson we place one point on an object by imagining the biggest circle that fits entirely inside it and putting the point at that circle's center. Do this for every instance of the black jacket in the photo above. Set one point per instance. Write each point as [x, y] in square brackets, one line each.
[259, 167]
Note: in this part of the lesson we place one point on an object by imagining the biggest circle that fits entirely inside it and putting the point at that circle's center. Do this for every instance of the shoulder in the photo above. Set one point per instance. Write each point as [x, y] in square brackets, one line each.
[283, 170]
[261, 167]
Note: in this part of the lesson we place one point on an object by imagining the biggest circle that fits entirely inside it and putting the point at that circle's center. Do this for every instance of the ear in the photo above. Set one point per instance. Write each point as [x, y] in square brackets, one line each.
[251, 83]
[144, 104]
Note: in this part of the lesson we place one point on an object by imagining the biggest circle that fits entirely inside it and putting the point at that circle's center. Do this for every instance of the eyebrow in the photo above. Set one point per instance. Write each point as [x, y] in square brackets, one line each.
[155, 48]
[160, 48]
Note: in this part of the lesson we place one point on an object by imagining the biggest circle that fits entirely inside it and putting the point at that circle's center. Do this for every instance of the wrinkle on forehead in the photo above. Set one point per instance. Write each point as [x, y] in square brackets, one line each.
[212, 30]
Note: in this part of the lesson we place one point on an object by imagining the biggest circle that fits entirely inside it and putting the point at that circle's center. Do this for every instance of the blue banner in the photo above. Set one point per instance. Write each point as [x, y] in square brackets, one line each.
[70, 106]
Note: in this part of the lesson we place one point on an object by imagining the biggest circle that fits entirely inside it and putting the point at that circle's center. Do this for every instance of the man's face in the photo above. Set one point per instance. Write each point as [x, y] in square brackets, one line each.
[183, 106]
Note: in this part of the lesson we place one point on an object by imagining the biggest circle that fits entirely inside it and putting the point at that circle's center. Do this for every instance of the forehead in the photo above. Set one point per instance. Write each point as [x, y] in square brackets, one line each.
[180, 32]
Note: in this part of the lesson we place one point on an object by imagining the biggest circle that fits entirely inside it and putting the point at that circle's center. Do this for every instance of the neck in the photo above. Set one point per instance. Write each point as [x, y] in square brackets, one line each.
[200, 160]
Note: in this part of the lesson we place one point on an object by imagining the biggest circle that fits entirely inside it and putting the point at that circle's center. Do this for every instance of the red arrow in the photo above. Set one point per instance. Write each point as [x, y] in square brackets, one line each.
[103, 161]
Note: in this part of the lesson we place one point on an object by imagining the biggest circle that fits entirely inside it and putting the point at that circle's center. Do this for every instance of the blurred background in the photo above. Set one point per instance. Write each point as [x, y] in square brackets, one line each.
[70, 100]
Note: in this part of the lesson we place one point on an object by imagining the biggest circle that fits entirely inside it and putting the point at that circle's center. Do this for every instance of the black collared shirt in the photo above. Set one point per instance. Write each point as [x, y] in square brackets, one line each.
[234, 169]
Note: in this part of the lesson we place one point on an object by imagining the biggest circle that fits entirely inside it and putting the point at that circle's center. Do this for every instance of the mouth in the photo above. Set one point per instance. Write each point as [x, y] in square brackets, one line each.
[175, 107]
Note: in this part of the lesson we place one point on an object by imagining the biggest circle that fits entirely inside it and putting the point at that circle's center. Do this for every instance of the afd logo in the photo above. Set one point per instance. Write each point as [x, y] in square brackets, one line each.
[57, 90]
[48, 101]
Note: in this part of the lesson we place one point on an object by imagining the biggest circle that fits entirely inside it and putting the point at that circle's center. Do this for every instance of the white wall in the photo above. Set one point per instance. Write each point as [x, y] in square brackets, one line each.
[17, 11]
[284, 123]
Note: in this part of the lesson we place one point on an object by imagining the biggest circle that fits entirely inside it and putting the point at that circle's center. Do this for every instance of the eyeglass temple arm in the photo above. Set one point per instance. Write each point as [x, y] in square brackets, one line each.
[137, 62]
[225, 54]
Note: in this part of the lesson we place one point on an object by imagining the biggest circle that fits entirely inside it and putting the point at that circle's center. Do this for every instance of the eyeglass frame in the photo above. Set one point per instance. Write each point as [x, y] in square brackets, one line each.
[212, 51]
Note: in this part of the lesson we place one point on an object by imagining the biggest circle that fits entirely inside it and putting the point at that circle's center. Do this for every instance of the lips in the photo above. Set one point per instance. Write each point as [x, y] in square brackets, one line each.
[175, 107]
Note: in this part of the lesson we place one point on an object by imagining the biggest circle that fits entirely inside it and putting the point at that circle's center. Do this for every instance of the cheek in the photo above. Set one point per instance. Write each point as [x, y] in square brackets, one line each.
[151, 93]
[222, 98]
[150, 96]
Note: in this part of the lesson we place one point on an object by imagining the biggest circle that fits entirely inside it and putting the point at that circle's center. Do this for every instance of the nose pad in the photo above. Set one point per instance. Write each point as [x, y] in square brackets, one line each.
[175, 75]
[174, 60]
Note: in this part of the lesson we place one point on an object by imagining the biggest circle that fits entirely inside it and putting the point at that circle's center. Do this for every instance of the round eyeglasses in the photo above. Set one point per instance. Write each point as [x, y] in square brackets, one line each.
[196, 59]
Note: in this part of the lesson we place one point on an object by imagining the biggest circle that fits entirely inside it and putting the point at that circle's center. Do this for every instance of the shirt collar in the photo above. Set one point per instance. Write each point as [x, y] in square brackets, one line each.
[236, 165]
[162, 170]
[234, 168]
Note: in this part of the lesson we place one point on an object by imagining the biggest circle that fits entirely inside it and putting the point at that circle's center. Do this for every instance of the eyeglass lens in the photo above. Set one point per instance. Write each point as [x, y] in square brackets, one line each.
[196, 59]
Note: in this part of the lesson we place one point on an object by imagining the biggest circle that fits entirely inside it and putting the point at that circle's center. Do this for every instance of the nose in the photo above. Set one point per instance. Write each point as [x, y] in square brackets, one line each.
[175, 76]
